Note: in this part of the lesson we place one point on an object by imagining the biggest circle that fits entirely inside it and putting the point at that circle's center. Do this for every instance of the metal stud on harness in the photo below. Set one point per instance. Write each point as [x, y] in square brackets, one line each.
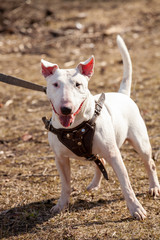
[80, 139]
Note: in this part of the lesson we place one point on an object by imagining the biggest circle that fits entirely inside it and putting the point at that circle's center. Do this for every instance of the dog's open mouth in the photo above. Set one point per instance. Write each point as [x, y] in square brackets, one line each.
[66, 121]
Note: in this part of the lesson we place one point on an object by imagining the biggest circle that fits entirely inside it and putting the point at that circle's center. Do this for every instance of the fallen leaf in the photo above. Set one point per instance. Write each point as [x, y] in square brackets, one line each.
[9, 102]
[113, 29]
[1, 105]
[26, 137]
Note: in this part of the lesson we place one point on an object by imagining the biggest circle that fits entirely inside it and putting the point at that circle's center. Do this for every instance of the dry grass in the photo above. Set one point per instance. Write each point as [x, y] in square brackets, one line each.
[29, 181]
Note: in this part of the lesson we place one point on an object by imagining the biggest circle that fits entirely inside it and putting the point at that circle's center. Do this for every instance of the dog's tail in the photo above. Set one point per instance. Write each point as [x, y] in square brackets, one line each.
[125, 86]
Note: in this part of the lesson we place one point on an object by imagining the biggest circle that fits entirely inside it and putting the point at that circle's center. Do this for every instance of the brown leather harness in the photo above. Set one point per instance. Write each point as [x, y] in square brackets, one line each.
[80, 139]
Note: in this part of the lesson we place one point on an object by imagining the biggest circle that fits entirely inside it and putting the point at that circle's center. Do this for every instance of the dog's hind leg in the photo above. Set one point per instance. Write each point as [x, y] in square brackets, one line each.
[134, 206]
[63, 166]
[96, 181]
[140, 141]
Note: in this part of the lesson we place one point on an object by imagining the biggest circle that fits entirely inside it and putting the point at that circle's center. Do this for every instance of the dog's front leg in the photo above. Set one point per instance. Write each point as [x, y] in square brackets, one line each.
[133, 204]
[63, 166]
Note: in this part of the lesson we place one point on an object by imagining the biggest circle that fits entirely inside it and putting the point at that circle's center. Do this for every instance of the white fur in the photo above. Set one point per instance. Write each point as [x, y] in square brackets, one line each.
[125, 86]
[119, 120]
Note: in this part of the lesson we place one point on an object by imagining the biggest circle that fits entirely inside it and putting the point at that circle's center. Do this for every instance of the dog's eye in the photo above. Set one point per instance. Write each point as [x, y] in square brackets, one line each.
[55, 85]
[78, 84]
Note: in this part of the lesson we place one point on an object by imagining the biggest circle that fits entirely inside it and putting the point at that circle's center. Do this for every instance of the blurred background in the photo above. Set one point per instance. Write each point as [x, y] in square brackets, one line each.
[67, 32]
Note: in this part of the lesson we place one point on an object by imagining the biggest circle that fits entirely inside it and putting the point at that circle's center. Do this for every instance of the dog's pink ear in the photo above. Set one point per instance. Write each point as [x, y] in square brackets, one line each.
[87, 68]
[48, 68]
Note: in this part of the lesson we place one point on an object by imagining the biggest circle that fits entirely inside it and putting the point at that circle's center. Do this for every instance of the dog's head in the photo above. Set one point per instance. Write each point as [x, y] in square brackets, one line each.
[67, 89]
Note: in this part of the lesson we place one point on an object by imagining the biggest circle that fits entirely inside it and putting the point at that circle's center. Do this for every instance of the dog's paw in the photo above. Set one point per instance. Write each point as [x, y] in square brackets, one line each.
[96, 182]
[56, 209]
[137, 211]
[140, 214]
[59, 207]
[93, 187]
[154, 191]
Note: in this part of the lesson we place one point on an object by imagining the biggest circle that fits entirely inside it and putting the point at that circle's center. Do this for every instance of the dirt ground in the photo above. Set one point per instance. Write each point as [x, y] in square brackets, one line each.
[67, 32]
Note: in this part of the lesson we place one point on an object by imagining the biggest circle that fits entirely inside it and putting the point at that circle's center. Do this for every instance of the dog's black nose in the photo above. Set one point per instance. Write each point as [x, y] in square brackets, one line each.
[66, 110]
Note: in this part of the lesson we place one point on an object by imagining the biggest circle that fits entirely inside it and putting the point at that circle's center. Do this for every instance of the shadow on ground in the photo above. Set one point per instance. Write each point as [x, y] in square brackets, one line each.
[23, 219]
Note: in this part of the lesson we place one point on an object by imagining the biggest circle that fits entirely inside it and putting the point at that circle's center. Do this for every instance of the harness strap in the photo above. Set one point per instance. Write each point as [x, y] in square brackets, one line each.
[100, 165]
[98, 108]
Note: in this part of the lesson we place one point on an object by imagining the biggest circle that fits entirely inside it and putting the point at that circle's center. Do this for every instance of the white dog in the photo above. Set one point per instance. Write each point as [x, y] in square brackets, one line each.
[119, 120]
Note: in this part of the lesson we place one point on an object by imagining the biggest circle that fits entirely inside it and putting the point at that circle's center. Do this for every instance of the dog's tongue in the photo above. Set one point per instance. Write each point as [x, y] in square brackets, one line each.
[66, 121]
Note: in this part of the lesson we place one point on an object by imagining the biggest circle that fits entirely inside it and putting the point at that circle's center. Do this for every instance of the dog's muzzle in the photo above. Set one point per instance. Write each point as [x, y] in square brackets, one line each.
[66, 110]
[66, 118]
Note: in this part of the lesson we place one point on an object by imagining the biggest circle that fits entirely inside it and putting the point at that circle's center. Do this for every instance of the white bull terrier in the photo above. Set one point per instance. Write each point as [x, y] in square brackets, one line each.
[120, 120]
